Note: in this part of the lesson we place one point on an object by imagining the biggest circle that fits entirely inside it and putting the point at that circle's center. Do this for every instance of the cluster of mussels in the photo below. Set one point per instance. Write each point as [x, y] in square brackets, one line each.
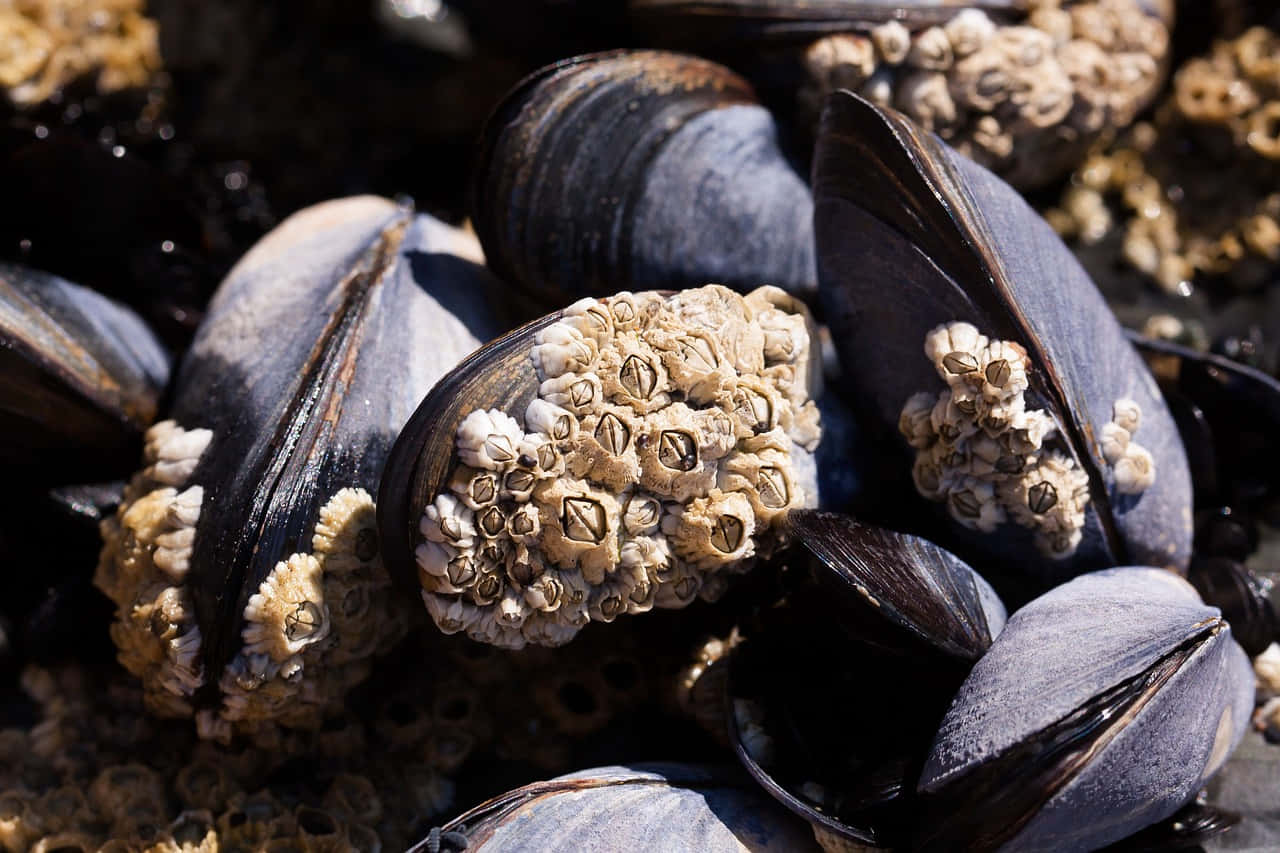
[1025, 99]
[654, 460]
[1213, 211]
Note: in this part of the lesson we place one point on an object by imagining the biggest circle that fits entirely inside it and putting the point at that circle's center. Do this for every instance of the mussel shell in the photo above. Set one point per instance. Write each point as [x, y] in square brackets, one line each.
[912, 235]
[643, 807]
[1231, 406]
[80, 376]
[1101, 708]
[853, 674]
[315, 350]
[1243, 598]
[637, 170]
[711, 21]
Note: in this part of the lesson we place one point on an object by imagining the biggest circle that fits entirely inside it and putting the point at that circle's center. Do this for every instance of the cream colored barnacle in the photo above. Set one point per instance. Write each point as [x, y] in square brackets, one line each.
[1133, 465]
[655, 457]
[982, 452]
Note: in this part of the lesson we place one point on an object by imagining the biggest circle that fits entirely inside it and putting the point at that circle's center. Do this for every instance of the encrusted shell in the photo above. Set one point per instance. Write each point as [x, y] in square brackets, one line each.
[915, 240]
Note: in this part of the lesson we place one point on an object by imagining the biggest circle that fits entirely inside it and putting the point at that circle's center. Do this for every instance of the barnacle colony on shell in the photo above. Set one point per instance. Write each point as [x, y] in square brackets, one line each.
[652, 462]
[982, 451]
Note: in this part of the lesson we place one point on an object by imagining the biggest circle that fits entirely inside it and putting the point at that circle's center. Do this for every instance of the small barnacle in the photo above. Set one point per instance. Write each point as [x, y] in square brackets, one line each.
[969, 31]
[916, 421]
[512, 609]
[754, 407]
[172, 453]
[448, 522]
[678, 584]
[892, 41]
[949, 422]
[491, 521]
[954, 349]
[925, 96]
[475, 487]
[692, 361]
[450, 614]
[1126, 414]
[523, 525]
[579, 393]
[605, 450]
[591, 319]
[1135, 470]
[1027, 431]
[973, 503]
[931, 50]
[995, 419]
[550, 420]
[840, 61]
[712, 531]
[764, 478]
[287, 614]
[1003, 372]
[545, 592]
[1115, 440]
[489, 439]
[559, 349]
[623, 308]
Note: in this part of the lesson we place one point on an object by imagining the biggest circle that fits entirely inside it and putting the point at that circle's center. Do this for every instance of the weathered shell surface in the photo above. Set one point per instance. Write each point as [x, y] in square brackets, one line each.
[79, 374]
[315, 350]
[639, 170]
[645, 807]
[911, 237]
[1102, 707]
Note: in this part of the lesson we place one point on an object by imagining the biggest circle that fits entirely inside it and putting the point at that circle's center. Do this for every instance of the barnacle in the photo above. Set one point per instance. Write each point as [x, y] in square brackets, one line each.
[308, 615]
[1134, 467]
[1024, 99]
[981, 451]
[656, 455]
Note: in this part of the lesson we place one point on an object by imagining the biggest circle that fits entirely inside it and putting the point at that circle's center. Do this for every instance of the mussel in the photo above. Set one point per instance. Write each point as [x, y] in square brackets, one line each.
[244, 562]
[80, 378]
[1023, 88]
[1029, 415]
[1102, 707]
[642, 807]
[639, 169]
[625, 453]
[837, 691]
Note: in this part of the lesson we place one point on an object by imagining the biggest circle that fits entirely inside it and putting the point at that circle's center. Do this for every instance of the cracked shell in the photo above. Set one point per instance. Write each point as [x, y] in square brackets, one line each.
[244, 561]
[896, 206]
[1102, 707]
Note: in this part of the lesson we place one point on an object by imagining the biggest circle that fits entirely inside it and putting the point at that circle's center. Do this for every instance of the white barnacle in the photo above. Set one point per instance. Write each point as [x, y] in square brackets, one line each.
[931, 50]
[476, 487]
[559, 349]
[678, 585]
[1115, 441]
[641, 514]
[1002, 371]
[591, 319]
[1126, 413]
[926, 97]
[288, 612]
[712, 531]
[488, 439]
[450, 614]
[916, 421]
[544, 630]
[892, 41]
[1135, 471]
[969, 31]
[545, 593]
[174, 452]
[1028, 430]
[448, 522]
[951, 423]
[580, 393]
[973, 503]
[954, 349]
[512, 609]
[550, 420]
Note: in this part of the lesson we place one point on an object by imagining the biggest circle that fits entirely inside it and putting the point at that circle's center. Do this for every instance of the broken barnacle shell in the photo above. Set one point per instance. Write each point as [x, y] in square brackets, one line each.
[702, 194]
[244, 561]
[992, 310]
[1102, 707]
[655, 493]
[641, 807]
[80, 377]
[885, 615]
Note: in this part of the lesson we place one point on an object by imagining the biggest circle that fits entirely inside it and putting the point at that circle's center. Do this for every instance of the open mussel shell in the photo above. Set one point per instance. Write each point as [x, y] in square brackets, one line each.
[642, 807]
[1102, 708]
[244, 561]
[836, 695]
[625, 453]
[80, 377]
[963, 321]
[636, 170]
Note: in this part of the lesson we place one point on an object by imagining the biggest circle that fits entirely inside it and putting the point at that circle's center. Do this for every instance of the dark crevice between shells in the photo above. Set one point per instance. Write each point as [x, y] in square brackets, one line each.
[281, 474]
[904, 178]
[988, 806]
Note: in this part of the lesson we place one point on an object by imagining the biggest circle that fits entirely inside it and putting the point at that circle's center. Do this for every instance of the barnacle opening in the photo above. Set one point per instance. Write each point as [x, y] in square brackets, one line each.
[309, 630]
[652, 463]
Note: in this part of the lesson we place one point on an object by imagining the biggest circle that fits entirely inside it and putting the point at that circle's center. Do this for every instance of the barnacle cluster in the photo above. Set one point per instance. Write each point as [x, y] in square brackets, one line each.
[1197, 184]
[75, 780]
[46, 44]
[1026, 100]
[980, 450]
[308, 633]
[653, 461]
[1132, 464]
